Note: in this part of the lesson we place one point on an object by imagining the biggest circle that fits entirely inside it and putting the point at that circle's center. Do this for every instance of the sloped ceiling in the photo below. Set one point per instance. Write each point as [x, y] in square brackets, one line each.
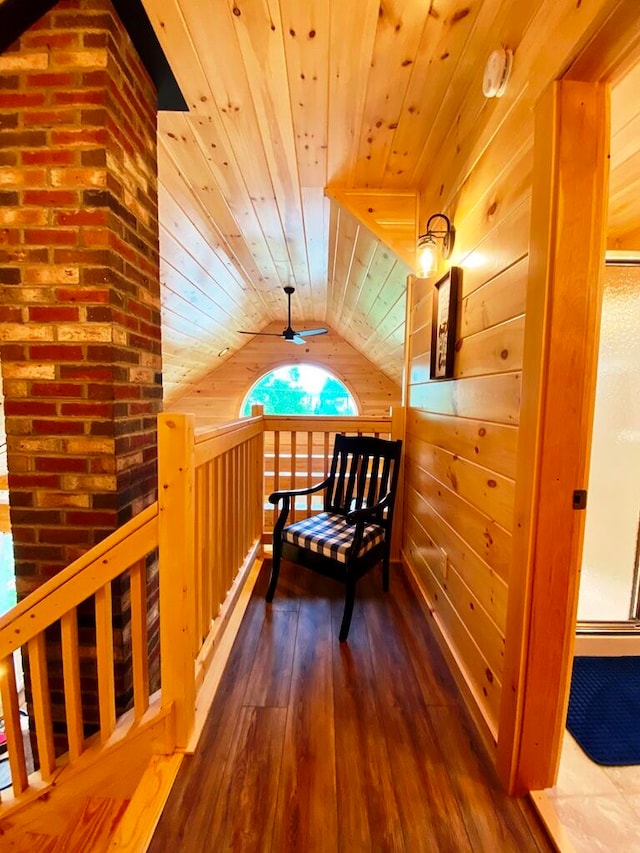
[286, 99]
[312, 125]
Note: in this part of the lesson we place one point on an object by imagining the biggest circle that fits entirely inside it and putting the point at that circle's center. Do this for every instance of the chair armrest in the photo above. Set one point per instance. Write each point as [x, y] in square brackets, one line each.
[368, 511]
[274, 497]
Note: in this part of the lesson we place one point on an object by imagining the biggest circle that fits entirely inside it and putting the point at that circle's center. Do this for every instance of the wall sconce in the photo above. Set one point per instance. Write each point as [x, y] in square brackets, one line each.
[427, 249]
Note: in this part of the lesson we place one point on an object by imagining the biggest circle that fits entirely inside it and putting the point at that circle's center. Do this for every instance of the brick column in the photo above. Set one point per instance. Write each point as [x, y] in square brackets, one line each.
[80, 303]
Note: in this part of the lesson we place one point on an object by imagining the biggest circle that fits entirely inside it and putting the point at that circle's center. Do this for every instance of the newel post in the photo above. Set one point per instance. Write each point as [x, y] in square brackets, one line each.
[398, 423]
[176, 476]
[258, 411]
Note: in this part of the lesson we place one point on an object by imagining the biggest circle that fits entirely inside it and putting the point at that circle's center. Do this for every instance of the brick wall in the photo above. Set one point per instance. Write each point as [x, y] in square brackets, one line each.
[79, 278]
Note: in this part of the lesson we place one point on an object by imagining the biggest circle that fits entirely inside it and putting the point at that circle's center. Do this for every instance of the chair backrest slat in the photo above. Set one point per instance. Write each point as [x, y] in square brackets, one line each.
[374, 491]
[363, 470]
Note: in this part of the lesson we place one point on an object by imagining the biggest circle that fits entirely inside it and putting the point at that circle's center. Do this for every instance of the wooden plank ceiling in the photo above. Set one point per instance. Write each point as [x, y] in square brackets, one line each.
[312, 126]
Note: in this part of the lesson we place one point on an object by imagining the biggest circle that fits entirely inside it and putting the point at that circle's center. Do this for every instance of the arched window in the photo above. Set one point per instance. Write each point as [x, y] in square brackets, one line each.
[300, 389]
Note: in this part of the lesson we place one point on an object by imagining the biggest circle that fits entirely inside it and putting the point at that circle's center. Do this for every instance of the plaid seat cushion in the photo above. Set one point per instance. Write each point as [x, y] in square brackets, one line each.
[330, 535]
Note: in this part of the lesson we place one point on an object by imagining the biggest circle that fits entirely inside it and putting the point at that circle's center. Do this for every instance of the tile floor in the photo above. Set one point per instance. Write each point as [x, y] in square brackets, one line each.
[593, 808]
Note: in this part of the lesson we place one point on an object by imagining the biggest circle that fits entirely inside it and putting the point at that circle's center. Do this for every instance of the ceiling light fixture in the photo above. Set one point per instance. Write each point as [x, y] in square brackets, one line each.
[223, 352]
[427, 249]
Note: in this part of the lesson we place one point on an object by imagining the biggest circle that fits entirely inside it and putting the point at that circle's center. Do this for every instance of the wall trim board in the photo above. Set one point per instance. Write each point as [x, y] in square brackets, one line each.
[560, 352]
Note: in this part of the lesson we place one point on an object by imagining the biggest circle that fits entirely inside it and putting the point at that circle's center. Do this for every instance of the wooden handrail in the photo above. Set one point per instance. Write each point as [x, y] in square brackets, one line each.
[326, 423]
[82, 578]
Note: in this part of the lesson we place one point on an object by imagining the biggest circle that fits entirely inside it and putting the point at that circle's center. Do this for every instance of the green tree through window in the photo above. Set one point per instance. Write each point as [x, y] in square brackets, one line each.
[301, 389]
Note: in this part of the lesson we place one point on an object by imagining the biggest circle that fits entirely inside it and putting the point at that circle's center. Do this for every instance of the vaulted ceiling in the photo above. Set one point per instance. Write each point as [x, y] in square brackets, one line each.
[312, 126]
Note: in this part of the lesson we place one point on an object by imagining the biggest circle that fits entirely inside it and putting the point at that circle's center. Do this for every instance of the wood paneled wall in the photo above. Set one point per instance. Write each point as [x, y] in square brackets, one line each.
[462, 434]
[218, 397]
[462, 439]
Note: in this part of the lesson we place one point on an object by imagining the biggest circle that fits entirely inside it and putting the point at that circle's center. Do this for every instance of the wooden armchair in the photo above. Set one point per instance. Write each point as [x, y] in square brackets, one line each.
[353, 533]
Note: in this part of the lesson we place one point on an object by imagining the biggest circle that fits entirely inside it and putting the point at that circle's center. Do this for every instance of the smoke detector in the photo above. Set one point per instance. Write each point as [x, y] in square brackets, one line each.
[496, 72]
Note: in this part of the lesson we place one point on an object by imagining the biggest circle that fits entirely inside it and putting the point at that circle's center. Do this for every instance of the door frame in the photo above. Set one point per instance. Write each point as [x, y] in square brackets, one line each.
[567, 254]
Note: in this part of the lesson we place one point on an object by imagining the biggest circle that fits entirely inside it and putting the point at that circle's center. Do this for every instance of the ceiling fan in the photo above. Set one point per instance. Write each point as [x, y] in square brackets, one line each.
[289, 334]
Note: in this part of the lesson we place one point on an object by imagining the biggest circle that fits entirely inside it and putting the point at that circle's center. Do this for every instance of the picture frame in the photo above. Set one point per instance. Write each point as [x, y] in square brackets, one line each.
[443, 324]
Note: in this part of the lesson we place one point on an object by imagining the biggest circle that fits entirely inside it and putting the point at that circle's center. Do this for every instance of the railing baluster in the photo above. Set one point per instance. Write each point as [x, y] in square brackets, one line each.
[42, 705]
[276, 471]
[13, 731]
[204, 513]
[309, 467]
[218, 521]
[104, 654]
[138, 585]
[294, 462]
[71, 676]
[199, 538]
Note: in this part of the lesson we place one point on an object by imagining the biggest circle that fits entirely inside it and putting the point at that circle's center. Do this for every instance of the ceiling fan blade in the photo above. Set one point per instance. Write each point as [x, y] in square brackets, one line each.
[297, 339]
[309, 333]
[269, 334]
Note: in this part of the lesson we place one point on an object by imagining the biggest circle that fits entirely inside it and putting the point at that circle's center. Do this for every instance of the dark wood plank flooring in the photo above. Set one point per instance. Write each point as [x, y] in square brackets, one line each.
[314, 745]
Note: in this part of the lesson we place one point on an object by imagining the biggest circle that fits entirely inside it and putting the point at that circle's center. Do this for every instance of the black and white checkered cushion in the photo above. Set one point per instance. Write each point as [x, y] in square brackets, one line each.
[331, 535]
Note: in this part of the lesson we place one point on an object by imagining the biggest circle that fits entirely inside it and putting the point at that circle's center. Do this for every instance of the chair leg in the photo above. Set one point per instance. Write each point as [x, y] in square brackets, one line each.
[349, 600]
[275, 571]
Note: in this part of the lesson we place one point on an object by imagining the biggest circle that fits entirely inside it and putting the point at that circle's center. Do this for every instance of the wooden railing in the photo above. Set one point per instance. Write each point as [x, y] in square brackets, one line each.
[206, 532]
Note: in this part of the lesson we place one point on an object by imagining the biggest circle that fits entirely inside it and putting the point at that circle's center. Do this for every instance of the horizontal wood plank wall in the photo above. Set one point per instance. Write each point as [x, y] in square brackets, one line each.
[218, 397]
[462, 433]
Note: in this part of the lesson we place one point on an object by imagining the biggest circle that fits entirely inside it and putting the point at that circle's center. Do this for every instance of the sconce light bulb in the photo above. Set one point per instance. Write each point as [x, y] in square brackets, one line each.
[427, 256]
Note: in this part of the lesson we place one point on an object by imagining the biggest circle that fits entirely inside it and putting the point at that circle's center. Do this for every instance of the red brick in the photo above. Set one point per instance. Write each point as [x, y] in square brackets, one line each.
[49, 80]
[50, 198]
[13, 352]
[23, 100]
[64, 294]
[97, 136]
[47, 118]
[9, 82]
[50, 237]
[126, 392]
[82, 217]
[22, 408]
[10, 275]
[34, 481]
[63, 157]
[54, 314]
[94, 238]
[100, 392]
[61, 464]
[86, 373]
[24, 138]
[91, 409]
[51, 40]
[56, 389]
[64, 536]
[91, 518]
[58, 427]
[56, 352]
[81, 256]
[78, 98]
[9, 314]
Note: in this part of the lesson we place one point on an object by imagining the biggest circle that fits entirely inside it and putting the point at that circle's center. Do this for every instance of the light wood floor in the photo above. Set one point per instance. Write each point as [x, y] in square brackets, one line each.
[313, 745]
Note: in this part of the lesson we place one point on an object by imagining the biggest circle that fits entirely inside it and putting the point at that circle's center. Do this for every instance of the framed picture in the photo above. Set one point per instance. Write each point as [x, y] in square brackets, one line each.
[443, 324]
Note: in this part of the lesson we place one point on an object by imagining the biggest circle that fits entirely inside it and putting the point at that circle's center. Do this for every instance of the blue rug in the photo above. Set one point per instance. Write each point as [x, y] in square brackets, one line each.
[604, 708]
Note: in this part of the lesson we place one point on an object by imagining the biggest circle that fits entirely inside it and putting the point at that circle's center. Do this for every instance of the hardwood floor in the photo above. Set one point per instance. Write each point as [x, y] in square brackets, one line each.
[314, 745]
